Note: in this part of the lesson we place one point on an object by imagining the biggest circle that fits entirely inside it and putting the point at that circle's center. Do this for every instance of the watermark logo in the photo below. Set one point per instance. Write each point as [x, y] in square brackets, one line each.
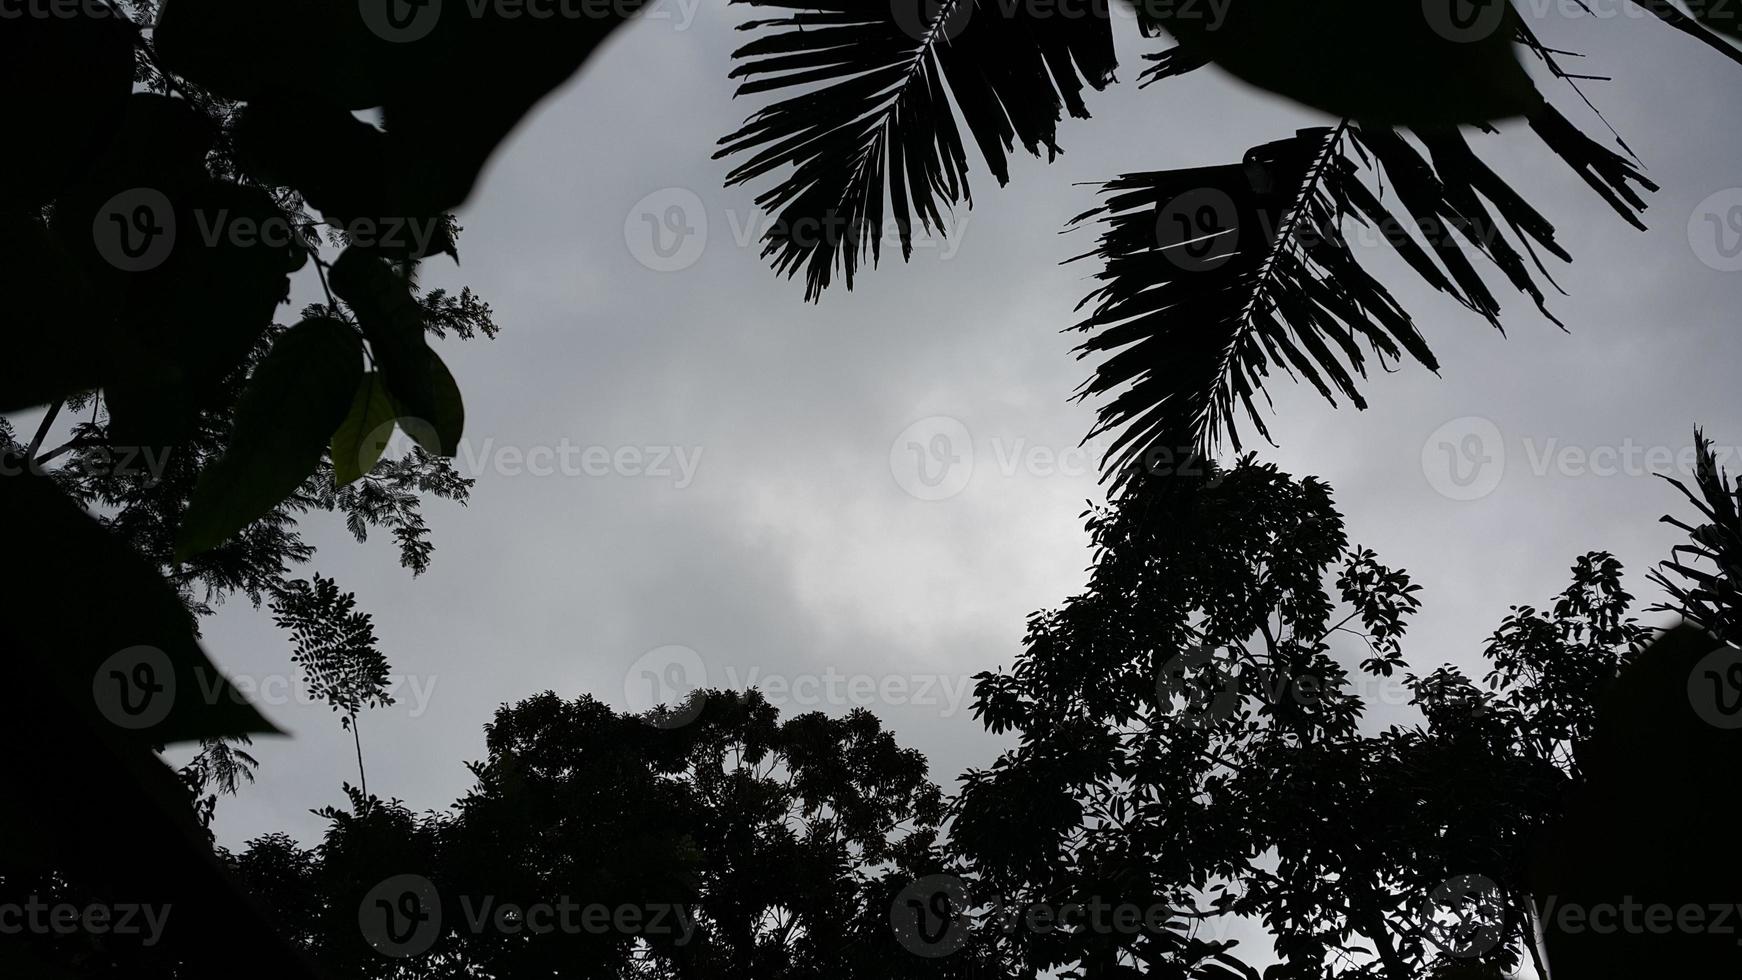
[134, 231]
[401, 916]
[146, 463]
[1464, 459]
[677, 464]
[1204, 693]
[35, 916]
[1464, 21]
[221, 227]
[400, 21]
[1715, 230]
[667, 230]
[73, 10]
[1715, 688]
[135, 688]
[933, 459]
[941, 20]
[1633, 917]
[1198, 230]
[669, 676]
[929, 917]
[1465, 917]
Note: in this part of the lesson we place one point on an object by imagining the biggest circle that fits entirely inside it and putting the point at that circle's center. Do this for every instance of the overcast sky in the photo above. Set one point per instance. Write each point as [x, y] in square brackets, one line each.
[761, 507]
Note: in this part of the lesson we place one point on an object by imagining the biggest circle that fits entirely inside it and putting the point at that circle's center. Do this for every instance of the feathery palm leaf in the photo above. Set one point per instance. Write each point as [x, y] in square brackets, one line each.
[1215, 275]
[1711, 598]
[869, 120]
[1711, 12]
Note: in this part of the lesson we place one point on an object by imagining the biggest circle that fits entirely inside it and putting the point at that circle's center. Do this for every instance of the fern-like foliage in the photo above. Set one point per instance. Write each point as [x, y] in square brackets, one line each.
[1704, 578]
[875, 98]
[1213, 277]
[335, 645]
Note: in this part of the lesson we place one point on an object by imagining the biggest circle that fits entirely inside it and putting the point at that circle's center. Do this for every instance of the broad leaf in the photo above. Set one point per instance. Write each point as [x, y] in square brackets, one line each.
[45, 286]
[1423, 62]
[364, 434]
[68, 78]
[295, 400]
[451, 80]
[419, 383]
[85, 614]
[77, 599]
[346, 169]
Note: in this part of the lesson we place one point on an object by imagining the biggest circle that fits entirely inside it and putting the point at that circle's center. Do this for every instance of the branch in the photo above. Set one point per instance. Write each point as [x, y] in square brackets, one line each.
[42, 430]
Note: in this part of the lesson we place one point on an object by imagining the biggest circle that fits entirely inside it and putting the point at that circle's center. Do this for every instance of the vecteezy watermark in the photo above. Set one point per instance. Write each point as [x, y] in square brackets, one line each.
[69, 10]
[1465, 21]
[930, 916]
[402, 917]
[1468, 21]
[1715, 230]
[933, 459]
[668, 677]
[137, 687]
[937, 20]
[223, 227]
[1198, 230]
[1194, 685]
[35, 916]
[1633, 917]
[147, 462]
[1466, 458]
[406, 21]
[137, 230]
[134, 230]
[935, 916]
[1202, 229]
[1715, 688]
[945, 20]
[673, 676]
[1465, 916]
[569, 459]
[936, 457]
[668, 230]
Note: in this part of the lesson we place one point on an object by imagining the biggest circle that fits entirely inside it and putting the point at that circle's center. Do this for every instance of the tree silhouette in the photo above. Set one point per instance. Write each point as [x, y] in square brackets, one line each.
[1190, 736]
[153, 347]
[745, 845]
[1191, 739]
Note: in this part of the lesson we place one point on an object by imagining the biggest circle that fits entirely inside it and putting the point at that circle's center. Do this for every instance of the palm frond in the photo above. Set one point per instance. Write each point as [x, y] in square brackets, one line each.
[1213, 276]
[1673, 16]
[1711, 598]
[875, 98]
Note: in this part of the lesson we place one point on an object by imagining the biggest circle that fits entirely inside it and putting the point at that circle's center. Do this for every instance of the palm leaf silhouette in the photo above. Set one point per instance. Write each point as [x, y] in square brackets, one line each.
[1190, 318]
[1214, 276]
[876, 97]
